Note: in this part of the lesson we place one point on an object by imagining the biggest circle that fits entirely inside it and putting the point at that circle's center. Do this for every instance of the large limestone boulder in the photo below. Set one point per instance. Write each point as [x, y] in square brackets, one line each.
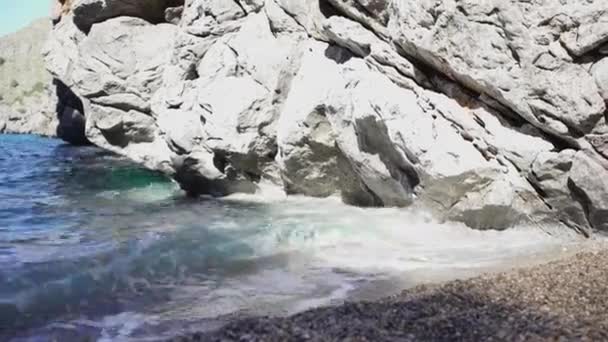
[311, 161]
[551, 175]
[589, 181]
[114, 70]
[487, 113]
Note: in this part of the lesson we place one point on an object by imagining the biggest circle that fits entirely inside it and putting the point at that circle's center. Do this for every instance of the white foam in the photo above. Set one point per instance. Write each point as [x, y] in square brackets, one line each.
[151, 193]
[297, 253]
[388, 239]
[267, 192]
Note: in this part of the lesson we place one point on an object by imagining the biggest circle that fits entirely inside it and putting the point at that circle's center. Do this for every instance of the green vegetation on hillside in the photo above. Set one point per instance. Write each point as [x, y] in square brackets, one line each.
[22, 71]
[36, 90]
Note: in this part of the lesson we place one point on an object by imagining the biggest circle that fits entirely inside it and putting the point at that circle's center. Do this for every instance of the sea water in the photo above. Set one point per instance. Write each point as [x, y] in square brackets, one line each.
[93, 247]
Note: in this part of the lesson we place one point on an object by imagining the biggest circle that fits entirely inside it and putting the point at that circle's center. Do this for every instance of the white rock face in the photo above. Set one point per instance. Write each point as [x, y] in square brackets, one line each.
[550, 174]
[590, 182]
[513, 52]
[600, 73]
[486, 112]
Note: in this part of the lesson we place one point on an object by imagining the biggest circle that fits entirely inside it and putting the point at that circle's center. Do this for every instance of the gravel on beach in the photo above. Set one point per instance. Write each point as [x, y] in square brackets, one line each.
[566, 300]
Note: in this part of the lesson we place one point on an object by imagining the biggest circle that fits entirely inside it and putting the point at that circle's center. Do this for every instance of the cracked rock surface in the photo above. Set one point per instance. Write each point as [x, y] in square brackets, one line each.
[491, 113]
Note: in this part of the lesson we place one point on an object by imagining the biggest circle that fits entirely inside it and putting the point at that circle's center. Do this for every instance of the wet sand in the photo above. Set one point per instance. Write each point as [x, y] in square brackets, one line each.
[561, 300]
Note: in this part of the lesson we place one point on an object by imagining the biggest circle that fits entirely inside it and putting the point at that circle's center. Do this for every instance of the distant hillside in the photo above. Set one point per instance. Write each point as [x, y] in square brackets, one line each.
[26, 99]
[22, 71]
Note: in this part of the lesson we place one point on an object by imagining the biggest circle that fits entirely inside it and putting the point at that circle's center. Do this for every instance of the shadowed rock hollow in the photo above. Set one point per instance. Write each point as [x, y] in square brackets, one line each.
[489, 113]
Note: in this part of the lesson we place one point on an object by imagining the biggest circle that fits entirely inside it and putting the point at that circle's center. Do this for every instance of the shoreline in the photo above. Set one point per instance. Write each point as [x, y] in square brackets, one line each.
[564, 299]
[362, 254]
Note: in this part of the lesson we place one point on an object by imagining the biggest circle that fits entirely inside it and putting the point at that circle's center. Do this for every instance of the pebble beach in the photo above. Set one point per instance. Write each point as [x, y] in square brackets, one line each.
[565, 300]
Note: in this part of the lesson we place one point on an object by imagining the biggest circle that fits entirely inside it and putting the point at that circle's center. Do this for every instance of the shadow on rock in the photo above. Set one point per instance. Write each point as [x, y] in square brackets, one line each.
[70, 112]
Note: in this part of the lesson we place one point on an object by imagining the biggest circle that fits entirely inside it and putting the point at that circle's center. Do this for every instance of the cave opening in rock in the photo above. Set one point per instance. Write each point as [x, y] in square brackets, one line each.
[70, 114]
[86, 14]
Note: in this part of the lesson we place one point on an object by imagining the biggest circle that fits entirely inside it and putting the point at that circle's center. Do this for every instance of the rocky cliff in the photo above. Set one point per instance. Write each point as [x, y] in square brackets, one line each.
[488, 112]
[27, 102]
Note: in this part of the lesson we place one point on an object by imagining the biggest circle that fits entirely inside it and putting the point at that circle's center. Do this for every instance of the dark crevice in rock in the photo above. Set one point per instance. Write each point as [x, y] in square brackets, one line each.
[152, 11]
[577, 228]
[220, 161]
[238, 167]
[208, 13]
[353, 190]
[70, 114]
[515, 54]
[590, 57]
[253, 177]
[501, 111]
[327, 9]
[338, 54]
[380, 144]
[176, 148]
[191, 182]
[364, 198]
[115, 136]
[427, 68]
[506, 116]
[191, 73]
[273, 154]
[191, 176]
[238, 3]
[542, 194]
[462, 10]
[509, 116]
[541, 113]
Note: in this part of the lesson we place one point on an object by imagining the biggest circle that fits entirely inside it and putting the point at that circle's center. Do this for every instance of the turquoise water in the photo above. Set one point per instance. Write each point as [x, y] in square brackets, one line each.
[94, 247]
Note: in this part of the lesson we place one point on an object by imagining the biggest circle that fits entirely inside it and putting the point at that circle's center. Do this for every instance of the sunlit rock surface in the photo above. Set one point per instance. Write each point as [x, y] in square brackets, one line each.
[488, 113]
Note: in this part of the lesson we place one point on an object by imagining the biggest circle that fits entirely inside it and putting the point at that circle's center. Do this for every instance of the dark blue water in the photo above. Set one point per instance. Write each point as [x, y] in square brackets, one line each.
[64, 214]
[92, 246]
